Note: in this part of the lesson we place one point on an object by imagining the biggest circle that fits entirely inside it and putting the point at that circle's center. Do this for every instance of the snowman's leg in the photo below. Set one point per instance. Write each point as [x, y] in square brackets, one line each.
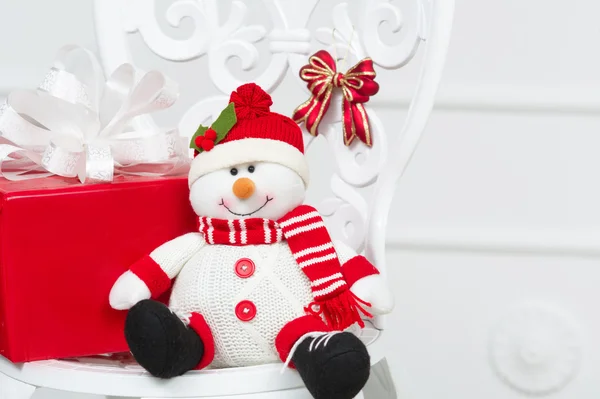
[161, 342]
[296, 330]
[332, 364]
[199, 325]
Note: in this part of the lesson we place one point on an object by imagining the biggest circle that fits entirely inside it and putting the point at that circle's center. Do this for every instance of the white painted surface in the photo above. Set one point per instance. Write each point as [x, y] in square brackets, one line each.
[509, 162]
[33, 30]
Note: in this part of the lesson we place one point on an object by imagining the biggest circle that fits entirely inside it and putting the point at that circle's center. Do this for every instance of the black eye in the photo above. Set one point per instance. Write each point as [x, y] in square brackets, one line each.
[233, 171]
[251, 168]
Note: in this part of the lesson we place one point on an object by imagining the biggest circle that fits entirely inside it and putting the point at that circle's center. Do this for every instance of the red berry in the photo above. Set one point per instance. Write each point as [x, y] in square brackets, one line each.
[208, 145]
[198, 141]
[210, 134]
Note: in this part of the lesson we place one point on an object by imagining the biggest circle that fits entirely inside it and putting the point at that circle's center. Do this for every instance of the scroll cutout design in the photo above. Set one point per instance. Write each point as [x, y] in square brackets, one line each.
[290, 42]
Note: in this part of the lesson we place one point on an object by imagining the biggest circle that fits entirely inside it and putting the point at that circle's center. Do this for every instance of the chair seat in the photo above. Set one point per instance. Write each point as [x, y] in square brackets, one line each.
[123, 377]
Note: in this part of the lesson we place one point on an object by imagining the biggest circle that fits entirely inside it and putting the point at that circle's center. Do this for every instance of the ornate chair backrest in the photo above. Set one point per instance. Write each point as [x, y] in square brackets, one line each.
[268, 42]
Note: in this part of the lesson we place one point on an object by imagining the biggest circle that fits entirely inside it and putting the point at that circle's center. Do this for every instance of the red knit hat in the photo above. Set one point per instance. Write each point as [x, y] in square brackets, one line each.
[258, 135]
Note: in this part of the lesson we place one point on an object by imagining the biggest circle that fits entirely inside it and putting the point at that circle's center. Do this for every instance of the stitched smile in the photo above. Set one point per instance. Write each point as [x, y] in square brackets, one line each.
[245, 214]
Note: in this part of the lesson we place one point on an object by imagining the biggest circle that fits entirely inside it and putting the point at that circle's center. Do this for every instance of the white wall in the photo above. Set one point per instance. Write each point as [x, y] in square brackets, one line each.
[31, 33]
[500, 204]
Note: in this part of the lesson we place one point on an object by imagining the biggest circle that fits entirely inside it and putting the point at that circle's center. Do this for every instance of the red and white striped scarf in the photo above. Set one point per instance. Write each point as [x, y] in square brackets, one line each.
[310, 243]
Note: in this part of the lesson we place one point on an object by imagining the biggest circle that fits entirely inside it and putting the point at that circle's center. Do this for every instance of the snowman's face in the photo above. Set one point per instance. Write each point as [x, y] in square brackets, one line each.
[250, 190]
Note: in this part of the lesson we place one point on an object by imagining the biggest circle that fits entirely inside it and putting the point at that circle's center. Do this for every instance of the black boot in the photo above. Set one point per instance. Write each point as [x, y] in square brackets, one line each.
[333, 366]
[160, 342]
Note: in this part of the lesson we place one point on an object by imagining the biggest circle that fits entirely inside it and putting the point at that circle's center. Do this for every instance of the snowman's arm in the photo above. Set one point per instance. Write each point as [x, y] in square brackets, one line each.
[158, 269]
[364, 280]
[354, 266]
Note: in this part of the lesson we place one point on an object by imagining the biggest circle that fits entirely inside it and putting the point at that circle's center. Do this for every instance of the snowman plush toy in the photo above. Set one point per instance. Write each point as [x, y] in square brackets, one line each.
[261, 281]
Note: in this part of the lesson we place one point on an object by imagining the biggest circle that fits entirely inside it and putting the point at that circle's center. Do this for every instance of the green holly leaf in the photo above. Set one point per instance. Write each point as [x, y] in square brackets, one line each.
[200, 132]
[223, 124]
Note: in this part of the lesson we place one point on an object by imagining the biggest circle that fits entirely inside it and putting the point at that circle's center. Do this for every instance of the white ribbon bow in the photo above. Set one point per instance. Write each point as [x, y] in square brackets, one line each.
[79, 124]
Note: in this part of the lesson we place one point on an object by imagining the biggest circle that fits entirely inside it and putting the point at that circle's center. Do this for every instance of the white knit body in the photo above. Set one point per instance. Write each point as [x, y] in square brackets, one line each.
[279, 289]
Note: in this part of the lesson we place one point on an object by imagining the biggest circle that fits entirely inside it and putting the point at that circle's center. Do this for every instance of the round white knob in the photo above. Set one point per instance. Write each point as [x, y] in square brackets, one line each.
[535, 349]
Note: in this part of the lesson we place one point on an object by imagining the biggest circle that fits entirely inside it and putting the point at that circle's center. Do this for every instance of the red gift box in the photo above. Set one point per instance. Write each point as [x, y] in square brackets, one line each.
[63, 245]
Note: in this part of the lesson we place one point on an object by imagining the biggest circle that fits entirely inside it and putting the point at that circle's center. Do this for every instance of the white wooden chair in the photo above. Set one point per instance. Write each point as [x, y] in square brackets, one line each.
[290, 42]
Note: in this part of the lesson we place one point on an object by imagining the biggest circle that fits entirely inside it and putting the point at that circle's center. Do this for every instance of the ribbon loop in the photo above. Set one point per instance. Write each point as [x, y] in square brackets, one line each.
[60, 161]
[86, 69]
[357, 85]
[77, 124]
[62, 84]
[99, 164]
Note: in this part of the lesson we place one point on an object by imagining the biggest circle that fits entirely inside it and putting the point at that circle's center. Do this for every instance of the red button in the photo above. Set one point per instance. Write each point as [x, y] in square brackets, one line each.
[244, 268]
[245, 310]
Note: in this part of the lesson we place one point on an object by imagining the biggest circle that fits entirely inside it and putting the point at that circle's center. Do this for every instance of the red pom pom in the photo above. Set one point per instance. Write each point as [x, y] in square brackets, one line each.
[198, 141]
[210, 134]
[250, 101]
[208, 145]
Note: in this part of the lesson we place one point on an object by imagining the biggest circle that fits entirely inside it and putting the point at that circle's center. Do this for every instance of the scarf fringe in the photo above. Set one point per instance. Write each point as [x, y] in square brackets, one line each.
[343, 310]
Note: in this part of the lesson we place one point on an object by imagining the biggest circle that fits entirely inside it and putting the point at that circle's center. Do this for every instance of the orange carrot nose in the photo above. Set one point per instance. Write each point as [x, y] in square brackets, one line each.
[243, 188]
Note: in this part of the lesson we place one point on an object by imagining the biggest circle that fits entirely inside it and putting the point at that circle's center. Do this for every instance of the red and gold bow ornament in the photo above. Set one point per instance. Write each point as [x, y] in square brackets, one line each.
[357, 86]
